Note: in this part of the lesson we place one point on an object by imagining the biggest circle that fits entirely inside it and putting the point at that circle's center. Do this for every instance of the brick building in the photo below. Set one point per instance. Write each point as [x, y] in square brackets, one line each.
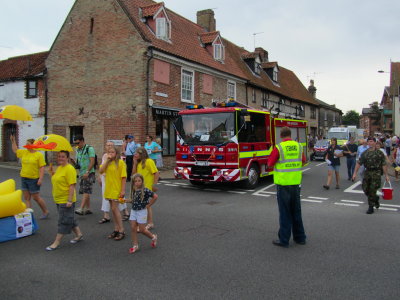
[22, 83]
[128, 66]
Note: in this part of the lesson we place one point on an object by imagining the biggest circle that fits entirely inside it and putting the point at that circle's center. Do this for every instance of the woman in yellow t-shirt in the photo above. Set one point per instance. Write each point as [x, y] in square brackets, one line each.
[145, 166]
[115, 170]
[64, 195]
[32, 173]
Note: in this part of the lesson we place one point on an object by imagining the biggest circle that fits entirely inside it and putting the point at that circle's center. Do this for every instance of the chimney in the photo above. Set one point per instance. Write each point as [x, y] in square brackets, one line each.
[205, 18]
[312, 89]
[263, 54]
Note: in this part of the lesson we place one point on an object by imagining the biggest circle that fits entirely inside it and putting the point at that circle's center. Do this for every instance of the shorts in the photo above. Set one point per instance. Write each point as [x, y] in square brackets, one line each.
[30, 185]
[334, 168]
[66, 218]
[86, 185]
[140, 216]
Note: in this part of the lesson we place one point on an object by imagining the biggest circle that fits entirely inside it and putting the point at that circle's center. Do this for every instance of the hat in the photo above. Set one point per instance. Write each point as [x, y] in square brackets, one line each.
[370, 138]
[130, 136]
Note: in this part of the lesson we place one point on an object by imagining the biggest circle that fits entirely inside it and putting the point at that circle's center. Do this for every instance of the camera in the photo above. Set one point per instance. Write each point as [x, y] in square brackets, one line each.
[77, 166]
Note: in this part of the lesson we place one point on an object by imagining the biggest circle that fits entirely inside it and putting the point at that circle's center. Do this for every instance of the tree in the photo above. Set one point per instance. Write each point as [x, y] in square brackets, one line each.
[375, 114]
[351, 118]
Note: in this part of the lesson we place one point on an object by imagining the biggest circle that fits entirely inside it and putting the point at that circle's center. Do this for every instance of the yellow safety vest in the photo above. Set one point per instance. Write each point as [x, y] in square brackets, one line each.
[287, 170]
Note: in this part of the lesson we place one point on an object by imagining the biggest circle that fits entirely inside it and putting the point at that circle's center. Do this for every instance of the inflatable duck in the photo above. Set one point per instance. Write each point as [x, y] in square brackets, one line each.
[10, 200]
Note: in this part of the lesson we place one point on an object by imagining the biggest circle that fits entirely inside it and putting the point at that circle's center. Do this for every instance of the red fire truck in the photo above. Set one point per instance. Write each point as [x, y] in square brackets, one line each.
[229, 143]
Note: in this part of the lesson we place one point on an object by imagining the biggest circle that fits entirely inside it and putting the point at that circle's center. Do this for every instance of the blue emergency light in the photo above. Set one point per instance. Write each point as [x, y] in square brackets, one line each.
[195, 106]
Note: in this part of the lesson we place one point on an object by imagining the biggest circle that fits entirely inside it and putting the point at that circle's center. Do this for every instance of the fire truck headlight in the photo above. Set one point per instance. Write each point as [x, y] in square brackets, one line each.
[226, 173]
[219, 173]
[185, 171]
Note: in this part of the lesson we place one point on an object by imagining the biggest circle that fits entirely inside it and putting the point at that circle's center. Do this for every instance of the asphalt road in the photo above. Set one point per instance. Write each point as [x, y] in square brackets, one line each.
[215, 243]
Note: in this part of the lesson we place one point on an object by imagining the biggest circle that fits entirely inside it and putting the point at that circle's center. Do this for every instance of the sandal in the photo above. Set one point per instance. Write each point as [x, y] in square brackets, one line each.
[125, 217]
[133, 249]
[104, 220]
[113, 235]
[119, 236]
[77, 239]
[154, 241]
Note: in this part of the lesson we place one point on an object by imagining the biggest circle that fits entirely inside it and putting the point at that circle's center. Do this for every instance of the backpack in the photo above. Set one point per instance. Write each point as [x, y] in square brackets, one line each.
[96, 164]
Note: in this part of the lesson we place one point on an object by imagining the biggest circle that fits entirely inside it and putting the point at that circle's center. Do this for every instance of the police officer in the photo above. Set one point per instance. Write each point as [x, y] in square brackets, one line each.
[375, 164]
[287, 158]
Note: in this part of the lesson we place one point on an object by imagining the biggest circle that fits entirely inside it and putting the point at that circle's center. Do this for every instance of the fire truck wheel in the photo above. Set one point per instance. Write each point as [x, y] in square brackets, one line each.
[253, 176]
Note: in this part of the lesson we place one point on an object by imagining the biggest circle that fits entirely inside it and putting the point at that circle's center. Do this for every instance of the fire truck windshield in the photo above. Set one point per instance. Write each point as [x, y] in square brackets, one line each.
[206, 129]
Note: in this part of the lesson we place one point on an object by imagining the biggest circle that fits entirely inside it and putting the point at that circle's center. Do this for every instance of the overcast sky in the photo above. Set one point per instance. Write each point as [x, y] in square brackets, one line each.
[341, 44]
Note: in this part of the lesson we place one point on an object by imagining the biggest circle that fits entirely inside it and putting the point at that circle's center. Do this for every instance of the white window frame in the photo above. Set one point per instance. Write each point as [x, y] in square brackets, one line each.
[325, 115]
[231, 92]
[218, 52]
[162, 28]
[184, 77]
[275, 75]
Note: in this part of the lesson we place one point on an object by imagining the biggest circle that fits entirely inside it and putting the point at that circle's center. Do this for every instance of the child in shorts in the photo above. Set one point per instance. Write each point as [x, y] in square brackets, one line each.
[142, 198]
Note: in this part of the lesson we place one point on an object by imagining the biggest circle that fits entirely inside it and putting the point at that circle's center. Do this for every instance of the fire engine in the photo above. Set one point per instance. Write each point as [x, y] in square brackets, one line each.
[229, 143]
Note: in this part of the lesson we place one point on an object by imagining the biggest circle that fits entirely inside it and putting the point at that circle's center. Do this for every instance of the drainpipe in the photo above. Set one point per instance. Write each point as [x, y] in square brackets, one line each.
[150, 57]
[46, 101]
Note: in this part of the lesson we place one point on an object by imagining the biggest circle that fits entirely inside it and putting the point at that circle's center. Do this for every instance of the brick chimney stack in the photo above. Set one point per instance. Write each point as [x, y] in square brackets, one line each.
[263, 54]
[205, 18]
[312, 89]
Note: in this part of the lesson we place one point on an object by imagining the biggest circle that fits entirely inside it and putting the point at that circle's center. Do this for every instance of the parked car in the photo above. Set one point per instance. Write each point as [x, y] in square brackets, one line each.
[320, 149]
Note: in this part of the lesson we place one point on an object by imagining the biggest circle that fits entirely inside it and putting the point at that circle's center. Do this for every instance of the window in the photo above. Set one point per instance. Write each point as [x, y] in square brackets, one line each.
[255, 130]
[218, 52]
[231, 90]
[275, 75]
[257, 68]
[2, 92]
[162, 28]
[74, 131]
[313, 113]
[265, 100]
[31, 89]
[187, 86]
[254, 97]
[166, 132]
[325, 116]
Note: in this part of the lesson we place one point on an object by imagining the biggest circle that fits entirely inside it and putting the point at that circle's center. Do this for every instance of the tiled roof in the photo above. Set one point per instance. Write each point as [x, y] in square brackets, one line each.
[150, 10]
[329, 106]
[248, 55]
[208, 37]
[366, 111]
[22, 66]
[185, 44]
[269, 65]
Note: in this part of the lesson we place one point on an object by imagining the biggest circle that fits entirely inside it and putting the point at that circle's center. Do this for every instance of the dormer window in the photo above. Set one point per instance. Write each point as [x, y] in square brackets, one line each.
[218, 52]
[212, 41]
[275, 75]
[162, 28]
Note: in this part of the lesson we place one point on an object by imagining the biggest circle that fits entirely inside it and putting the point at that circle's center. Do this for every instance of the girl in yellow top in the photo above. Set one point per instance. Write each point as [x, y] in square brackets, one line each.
[115, 170]
[64, 181]
[32, 173]
[145, 166]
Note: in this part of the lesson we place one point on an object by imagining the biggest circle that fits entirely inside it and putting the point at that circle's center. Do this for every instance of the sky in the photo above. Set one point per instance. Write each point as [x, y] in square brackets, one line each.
[339, 44]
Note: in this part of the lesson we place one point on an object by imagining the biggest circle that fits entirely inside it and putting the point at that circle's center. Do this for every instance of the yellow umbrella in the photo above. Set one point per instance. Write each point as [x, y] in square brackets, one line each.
[50, 142]
[15, 112]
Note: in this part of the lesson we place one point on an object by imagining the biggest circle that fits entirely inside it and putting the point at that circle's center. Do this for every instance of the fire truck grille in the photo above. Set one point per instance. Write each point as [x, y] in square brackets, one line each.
[201, 171]
[202, 156]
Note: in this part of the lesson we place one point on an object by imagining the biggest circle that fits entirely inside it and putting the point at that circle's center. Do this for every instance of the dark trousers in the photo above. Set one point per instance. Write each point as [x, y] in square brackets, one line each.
[388, 151]
[129, 165]
[351, 164]
[290, 219]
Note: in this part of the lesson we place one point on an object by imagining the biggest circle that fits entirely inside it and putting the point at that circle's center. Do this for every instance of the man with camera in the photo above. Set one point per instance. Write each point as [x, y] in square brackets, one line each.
[85, 163]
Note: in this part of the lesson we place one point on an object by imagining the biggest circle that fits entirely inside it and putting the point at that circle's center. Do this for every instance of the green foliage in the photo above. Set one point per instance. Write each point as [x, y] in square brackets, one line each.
[351, 118]
[375, 114]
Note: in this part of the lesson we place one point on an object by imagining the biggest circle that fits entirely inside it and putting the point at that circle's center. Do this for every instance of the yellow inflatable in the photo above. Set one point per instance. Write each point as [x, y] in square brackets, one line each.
[10, 199]
[7, 186]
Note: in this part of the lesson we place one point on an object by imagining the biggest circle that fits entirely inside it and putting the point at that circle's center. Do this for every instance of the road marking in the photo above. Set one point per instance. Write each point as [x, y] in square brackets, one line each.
[390, 205]
[245, 190]
[165, 181]
[263, 190]
[320, 164]
[261, 195]
[387, 208]
[345, 204]
[352, 201]
[170, 184]
[306, 170]
[309, 200]
[318, 198]
[181, 183]
[237, 192]
[351, 189]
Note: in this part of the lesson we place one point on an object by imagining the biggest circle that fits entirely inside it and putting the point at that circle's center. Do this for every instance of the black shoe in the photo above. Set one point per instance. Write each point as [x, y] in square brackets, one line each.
[326, 187]
[300, 242]
[377, 204]
[370, 210]
[278, 243]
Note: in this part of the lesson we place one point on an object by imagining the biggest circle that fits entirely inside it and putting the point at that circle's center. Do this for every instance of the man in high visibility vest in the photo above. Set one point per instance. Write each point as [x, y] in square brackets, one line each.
[288, 158]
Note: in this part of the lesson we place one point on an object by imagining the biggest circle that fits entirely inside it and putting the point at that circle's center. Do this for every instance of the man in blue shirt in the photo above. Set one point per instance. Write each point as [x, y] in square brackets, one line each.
[131, 147]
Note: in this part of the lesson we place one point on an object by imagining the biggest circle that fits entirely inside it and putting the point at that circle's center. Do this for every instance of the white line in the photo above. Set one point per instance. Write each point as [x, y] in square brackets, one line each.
[352, 201]
[273, 193]
[237, 192]
[390, 205]
[245, 190]
[351, 189]
[164, 181]
[182, 183]
[344, 204]
[261, 195]
[386, 208]
[306, 170]
[170, 184]
[318, 198]
[320, 164]
[309, 200]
